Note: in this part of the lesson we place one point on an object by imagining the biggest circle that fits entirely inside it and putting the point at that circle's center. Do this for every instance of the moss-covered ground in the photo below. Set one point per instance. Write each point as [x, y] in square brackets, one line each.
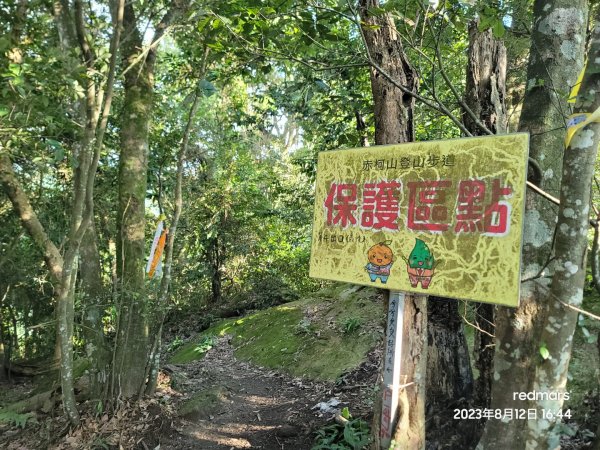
[320, 337]
[204, 403]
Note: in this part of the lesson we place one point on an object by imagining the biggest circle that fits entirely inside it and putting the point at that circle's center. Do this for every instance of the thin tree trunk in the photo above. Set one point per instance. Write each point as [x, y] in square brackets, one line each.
[215, 262]
[558, 25]
[394, 124]
[29, 219]
[165, 282]
[95, 296]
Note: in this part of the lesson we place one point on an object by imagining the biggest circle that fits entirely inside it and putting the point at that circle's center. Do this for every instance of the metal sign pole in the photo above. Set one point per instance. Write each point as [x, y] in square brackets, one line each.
[392, 367]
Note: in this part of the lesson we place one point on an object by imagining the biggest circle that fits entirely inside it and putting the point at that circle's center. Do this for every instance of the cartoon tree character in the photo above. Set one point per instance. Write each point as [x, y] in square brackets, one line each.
[421, 265]
[381, 259]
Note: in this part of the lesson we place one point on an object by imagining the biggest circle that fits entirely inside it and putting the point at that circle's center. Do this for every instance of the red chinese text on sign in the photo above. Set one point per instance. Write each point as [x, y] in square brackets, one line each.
[341, 202]
[473, 215]
[380, 207]
[426, 205]
[497, 214]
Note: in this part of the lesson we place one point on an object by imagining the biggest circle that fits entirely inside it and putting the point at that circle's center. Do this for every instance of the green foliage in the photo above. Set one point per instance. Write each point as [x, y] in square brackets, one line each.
[175, 344]
[193, 351]
[16, 419]
[205, 344]
[353, 435]
[350, 324]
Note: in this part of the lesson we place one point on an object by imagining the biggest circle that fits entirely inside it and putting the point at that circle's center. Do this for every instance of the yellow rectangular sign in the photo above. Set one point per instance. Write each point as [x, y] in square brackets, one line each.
[440, 218]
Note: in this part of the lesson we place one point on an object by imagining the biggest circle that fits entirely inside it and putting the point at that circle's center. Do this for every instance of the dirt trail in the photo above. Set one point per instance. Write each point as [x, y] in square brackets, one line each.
[237, 405]
[244, 406]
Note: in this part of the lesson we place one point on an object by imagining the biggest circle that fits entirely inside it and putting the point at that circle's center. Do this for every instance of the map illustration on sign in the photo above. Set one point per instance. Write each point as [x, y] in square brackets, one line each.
[441, 218]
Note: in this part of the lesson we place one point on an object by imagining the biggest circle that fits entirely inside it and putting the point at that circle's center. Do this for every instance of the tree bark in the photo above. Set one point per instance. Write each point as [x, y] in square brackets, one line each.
[555, 60]
[132, 344]
[132, 339]
[29, 219]
[570, 248]
[394, 124]
[485, 96]
[449, 375]
[95, 296]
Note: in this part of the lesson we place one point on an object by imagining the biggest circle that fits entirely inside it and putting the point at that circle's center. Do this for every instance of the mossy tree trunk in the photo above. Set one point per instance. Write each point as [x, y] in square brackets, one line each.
[555, 60]
[133, 346]
[394, 124]
[132, 338]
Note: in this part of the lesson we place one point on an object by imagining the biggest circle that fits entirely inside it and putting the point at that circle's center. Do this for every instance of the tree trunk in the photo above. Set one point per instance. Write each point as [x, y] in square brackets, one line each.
[132, 339]
[165, 282]
[485, 96]
[29, 219]
[555, 60]
[394, 124]
[570, 248]
[449, 375]
[133, 345]
[215, 279]
[94, 296]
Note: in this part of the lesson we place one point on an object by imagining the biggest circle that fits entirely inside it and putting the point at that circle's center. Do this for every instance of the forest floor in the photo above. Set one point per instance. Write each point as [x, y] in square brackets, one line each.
[233, 404]
[262, 381]
[220, 403]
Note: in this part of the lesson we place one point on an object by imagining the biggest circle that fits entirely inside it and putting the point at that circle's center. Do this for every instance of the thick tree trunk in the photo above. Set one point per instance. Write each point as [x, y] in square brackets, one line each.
[556, 57]
[485, 95]
[132, 344]
[394, 124]
[570, 248]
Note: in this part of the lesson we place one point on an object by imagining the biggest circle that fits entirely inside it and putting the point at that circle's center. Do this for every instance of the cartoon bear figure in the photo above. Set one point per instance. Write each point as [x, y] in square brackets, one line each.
[421, 265]
[381, 259]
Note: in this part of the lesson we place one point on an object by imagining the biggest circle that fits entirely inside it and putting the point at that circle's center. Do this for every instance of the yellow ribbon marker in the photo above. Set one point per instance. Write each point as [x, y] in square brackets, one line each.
[575, 90]
[577, 121]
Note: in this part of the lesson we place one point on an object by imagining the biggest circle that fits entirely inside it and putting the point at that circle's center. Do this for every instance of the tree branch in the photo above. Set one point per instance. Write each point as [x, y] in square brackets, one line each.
[29, 219]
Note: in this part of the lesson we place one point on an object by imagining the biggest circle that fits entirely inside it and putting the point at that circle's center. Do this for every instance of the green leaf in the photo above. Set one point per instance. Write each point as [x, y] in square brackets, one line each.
[346, 413]
[484, 24]
[544, 352]
[57, 148]
[208, 88]
[498, 29]
[3, 111]
[202, 23]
